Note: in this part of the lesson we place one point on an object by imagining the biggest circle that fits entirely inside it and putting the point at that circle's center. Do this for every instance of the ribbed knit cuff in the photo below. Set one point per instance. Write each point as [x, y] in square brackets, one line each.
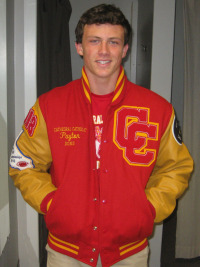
[45, 201]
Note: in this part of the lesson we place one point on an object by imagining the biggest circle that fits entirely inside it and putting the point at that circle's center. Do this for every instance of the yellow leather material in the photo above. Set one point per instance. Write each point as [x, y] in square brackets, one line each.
[34, 183]
[170, 176]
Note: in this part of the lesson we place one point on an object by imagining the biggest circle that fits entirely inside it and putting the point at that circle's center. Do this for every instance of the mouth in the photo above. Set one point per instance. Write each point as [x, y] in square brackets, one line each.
[103, 62]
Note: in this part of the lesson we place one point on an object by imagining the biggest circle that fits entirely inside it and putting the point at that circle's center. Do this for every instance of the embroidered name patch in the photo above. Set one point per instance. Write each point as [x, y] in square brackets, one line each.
[70, 135]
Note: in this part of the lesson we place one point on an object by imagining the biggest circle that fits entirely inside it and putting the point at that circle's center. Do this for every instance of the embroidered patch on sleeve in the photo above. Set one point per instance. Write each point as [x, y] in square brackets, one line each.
[18, 160]
[31, 122]
[176, 130]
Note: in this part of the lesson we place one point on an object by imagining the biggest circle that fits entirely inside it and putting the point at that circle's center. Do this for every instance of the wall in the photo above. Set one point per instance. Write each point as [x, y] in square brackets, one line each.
[9, 224]
[144, 42]
[161, 80]
[178, 63]
[25, 96]
[4, 198]
[162, 52]
[22, 242]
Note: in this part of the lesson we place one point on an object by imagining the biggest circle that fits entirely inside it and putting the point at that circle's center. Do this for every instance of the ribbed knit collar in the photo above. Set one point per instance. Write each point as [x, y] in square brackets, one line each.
[118, 88]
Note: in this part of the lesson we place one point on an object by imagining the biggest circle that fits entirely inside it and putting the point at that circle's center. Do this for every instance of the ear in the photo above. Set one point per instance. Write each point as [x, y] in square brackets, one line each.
[79, 48]
[124, 52]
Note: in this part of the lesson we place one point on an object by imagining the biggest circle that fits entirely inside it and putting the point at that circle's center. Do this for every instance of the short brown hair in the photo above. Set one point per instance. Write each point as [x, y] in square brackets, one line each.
[103, 14]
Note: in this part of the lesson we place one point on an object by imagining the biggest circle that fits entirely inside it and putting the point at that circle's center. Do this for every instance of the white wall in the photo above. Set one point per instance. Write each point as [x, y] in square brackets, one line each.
[25, 96]
[162, 52]
[4, 197]
[161, 80]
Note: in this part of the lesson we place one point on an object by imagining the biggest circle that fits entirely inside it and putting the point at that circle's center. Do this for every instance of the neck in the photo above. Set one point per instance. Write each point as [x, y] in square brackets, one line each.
[102, 85]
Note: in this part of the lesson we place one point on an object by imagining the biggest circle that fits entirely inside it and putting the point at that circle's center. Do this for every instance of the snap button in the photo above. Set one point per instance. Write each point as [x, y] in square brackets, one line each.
[91, 260]
[94, 199]
[95, 228]
[103, 201]
[94, 249]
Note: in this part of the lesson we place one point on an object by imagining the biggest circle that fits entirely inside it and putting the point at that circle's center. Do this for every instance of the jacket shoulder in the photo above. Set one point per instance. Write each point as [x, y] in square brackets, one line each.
[146, 95]
[60, 92]
[59, 96]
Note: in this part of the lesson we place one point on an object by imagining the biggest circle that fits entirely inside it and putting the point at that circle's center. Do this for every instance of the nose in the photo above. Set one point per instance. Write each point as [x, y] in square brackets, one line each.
[103, 48]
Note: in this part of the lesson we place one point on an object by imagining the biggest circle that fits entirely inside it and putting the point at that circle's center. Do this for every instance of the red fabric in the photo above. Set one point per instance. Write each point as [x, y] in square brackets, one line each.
[100, 103]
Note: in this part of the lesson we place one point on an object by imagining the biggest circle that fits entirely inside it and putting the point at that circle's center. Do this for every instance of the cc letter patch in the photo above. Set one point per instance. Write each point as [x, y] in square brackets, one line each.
[133, 133]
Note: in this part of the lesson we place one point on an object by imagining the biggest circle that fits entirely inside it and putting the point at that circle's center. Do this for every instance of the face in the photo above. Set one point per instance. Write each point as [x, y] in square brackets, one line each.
[102, 49]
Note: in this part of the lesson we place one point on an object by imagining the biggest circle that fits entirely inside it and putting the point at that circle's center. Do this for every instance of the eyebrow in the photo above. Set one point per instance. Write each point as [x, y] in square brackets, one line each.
[97, 37]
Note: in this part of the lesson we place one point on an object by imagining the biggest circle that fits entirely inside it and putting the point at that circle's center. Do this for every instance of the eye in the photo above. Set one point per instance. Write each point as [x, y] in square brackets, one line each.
[113, 42]
[94, 41]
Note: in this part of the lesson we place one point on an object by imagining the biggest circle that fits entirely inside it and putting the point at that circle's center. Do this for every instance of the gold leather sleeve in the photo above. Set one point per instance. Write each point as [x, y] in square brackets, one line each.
[31, 158]
[170, 176]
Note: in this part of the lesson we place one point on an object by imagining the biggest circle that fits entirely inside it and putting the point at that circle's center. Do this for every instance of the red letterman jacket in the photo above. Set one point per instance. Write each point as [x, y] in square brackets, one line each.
[144, 168]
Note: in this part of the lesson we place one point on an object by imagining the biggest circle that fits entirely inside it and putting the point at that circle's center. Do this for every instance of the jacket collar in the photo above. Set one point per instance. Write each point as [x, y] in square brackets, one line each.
[119, 88]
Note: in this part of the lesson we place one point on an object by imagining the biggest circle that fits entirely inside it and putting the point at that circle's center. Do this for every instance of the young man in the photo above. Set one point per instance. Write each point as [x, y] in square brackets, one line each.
[101, 157]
